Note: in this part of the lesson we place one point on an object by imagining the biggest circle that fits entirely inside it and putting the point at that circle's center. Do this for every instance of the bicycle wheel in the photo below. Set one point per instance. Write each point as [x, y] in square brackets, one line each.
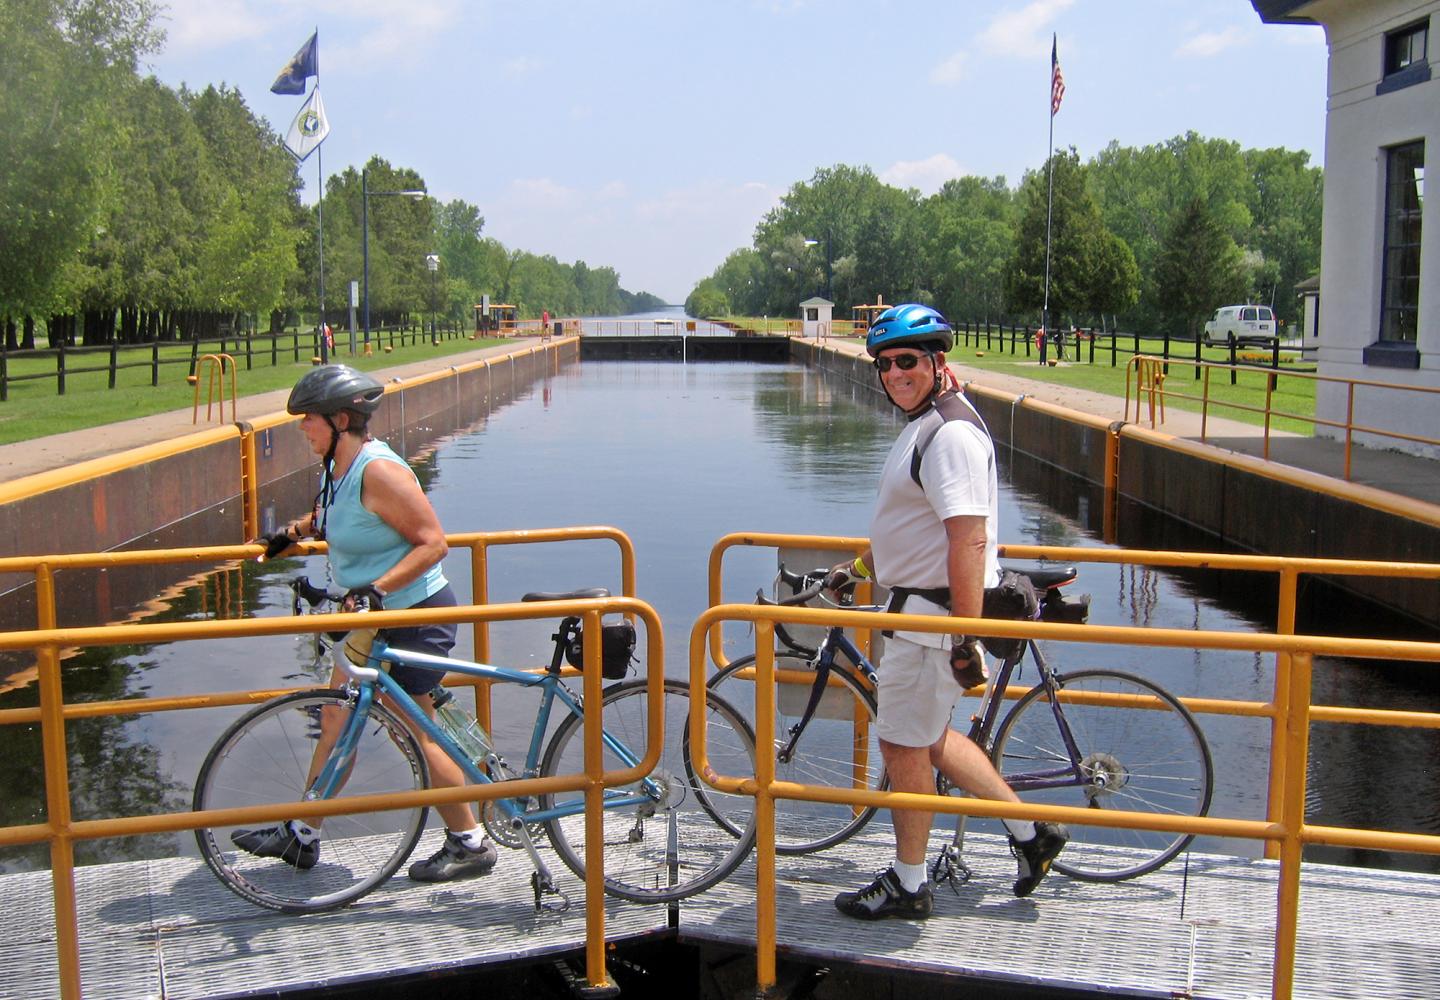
[264, 758]
[664, 847]
[1143, 759]
[831, 751]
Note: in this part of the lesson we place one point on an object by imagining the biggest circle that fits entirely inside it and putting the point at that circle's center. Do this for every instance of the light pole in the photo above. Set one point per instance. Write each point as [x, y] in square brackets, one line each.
[432, 264]
[829, 294]
[365, 194]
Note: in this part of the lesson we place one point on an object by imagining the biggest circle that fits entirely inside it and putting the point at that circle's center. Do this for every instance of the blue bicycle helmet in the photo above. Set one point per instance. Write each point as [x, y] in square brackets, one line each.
[909, 325]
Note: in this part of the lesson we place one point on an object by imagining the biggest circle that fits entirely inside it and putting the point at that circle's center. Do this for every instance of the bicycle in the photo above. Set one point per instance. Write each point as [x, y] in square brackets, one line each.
[1125, 743]
[655, 850]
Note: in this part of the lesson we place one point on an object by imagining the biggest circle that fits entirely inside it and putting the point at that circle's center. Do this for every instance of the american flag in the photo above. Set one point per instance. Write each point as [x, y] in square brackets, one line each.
[1057, 80]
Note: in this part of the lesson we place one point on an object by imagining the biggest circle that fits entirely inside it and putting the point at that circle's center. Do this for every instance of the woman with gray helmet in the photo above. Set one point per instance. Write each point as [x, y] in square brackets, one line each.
[385, 549]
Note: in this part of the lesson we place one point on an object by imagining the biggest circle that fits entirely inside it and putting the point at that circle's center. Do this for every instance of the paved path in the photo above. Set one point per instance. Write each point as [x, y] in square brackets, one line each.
[1394, 472]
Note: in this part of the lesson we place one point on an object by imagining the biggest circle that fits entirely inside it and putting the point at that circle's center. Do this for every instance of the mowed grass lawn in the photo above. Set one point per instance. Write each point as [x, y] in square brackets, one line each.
[35, 408]
[1292, 402]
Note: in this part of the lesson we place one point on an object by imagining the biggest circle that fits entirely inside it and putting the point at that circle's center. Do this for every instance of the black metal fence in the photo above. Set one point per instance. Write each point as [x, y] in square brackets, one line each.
[253, 347]
[1079, 344]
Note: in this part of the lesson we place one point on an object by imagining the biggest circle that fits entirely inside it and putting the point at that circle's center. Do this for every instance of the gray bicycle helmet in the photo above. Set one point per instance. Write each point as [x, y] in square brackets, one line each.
[332, 388]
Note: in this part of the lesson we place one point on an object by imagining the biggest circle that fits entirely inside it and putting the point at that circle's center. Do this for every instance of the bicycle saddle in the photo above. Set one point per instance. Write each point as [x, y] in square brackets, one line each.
[573, 595]
[1042, 574]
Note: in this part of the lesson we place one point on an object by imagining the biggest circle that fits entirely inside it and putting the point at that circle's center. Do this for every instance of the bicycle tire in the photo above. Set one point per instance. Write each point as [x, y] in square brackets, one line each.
[1137, 759]
[824, 755]
[642, 861]
[264, 758]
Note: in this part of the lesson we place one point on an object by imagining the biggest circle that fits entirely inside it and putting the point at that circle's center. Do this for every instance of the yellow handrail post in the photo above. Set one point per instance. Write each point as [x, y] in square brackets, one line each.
[1297, 748]
[57, 792]
[765, 806]
[594, 803]
[1349, 425]
[1285, 613]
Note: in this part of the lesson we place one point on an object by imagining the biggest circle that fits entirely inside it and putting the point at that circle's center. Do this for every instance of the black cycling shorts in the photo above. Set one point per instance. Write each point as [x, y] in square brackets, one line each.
[436, 640]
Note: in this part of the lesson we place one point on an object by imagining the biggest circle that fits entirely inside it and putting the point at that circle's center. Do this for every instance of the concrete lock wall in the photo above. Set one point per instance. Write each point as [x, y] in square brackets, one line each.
[189, 491]
[1245, 502]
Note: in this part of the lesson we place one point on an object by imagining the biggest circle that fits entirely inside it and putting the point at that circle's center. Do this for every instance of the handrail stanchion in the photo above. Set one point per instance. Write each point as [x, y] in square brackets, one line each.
[57, 792]
[765, 805]
[1297, 749]
[1349, 425]
[595, 801]
[1285, 615]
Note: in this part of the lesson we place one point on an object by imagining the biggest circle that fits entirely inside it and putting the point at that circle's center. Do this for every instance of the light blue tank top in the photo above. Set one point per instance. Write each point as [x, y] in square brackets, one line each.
[362, 546]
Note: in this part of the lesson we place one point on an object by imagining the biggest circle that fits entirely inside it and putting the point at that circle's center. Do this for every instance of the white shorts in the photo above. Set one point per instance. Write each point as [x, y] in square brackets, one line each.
[917, 693]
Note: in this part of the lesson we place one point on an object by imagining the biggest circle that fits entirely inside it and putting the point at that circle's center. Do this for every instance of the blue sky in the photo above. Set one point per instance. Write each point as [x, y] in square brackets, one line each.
[652, 136]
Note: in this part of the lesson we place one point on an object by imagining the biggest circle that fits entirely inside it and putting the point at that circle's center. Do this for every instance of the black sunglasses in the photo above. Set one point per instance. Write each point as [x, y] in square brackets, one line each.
[904, 362]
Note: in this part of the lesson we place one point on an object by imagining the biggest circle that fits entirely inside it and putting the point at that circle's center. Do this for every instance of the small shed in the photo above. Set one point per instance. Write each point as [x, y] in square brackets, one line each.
[815, 317]
[1309, 292]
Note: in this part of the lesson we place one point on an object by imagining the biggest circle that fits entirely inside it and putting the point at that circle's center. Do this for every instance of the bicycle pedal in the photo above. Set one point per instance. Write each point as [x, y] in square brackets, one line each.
[543, 887]
[949, 869]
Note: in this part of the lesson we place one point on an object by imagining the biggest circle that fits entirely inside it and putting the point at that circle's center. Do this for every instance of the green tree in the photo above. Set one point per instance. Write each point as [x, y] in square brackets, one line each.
[1199, 267]
[707, 300]
[62, 64]
[1089, 267]
[970, 227]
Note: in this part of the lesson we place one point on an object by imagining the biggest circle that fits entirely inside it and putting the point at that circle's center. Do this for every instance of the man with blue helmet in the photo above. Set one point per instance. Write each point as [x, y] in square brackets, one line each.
[933, 544]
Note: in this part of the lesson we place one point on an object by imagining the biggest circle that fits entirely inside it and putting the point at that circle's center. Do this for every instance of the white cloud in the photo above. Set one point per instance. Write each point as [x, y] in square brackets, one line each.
[1213, 43]
[379, 28]
[952, 70]
[1022, 32]
[522, 66]
[541, 193]
[926, 175]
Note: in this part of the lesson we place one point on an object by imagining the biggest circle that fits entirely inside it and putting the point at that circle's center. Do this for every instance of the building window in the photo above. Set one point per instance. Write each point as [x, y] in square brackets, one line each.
[1404, 196]
[1405, 57]
[1406, 47]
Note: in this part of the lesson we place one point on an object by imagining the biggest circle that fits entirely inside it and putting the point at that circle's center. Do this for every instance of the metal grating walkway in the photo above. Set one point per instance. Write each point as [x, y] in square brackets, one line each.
[169, 929]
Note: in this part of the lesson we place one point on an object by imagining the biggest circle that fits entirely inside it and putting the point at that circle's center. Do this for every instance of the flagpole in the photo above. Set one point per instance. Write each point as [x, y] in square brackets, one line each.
[320, 219]
[320, 216]
[1049, 208]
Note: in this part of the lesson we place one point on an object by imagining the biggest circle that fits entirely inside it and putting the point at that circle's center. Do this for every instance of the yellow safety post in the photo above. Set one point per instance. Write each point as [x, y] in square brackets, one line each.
[215, 366]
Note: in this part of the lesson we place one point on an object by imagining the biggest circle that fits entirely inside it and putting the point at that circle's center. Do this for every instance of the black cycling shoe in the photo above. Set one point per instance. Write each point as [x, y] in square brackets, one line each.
[455, 860]
[886, 897]
[1034, 856]
[278, 842]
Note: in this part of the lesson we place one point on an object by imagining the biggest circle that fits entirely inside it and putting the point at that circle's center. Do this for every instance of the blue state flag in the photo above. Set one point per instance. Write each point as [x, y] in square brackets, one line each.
[304, 64]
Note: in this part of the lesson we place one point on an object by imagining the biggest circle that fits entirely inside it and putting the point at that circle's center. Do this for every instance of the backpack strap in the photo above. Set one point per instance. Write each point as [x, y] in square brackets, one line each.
[948, 406]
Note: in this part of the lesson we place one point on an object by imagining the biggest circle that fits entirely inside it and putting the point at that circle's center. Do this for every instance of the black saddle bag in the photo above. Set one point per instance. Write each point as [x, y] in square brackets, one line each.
[617, 649]
[1015, 600]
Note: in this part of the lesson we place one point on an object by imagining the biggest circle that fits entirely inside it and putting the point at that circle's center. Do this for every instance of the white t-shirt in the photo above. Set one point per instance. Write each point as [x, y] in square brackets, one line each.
[907, 532]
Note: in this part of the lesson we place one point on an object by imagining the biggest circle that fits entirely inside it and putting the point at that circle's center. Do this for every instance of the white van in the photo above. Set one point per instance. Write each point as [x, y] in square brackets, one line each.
[1248, 325]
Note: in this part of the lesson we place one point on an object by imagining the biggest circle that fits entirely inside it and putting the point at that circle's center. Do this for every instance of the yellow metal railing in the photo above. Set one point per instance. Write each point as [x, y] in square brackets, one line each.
[1151, 386]
[62, 830]
[1284, 831]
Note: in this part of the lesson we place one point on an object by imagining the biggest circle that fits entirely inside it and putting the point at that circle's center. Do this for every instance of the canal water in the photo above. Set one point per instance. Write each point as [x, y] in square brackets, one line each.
[677, 456]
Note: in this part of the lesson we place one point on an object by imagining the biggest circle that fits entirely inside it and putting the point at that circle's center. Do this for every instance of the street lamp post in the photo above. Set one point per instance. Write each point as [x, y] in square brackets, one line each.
[432, 264]
[365, 194]
[829, 292]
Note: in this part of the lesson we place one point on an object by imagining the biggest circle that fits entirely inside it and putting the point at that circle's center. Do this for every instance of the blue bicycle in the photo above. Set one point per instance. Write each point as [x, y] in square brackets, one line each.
[661, 842]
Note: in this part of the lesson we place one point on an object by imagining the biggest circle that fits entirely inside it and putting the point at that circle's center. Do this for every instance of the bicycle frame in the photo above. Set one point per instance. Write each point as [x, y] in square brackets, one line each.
[372, 676]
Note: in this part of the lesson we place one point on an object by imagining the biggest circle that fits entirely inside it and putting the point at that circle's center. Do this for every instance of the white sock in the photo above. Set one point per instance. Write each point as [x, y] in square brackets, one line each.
[304, 832]
[1021, 829]
[471, 838]
[911, 877]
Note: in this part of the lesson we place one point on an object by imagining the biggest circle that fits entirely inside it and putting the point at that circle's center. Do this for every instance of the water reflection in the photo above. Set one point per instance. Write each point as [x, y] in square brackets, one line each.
[677, 456]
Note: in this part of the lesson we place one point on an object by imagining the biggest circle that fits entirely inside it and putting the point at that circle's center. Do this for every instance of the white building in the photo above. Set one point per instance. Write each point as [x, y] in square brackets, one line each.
[1379, 301]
